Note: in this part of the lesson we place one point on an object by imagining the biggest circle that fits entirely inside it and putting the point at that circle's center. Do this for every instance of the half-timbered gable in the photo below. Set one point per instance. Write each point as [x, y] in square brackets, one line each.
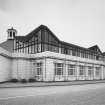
[43, 39]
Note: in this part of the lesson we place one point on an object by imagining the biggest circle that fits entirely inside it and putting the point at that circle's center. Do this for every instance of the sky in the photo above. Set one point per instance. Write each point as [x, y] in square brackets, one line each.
[80, 22]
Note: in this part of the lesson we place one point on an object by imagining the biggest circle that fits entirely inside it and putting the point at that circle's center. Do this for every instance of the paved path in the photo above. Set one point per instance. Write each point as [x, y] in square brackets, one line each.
[90, 94]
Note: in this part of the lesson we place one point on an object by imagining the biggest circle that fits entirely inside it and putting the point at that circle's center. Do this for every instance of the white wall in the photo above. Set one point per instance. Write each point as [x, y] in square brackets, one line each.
[49, 70]
[21, 69]
[5, 65]
[5, 68]
[20, 66]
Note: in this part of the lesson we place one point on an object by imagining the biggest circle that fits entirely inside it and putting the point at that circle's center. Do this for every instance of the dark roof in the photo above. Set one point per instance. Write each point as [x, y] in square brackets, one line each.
[8, 45]
[12, 29]
[103, 53]
[95, 48]
[30, 35]
[76, 46]
[20, 38]
[41, 27]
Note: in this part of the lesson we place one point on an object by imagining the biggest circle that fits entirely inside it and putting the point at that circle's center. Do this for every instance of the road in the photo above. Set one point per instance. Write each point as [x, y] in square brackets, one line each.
[90, 94]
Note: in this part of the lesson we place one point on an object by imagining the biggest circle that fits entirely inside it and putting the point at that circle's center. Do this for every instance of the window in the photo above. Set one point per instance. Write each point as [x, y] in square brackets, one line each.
[13, 34]
[10, 34]
[97, 71]
[38, 68]
[81, 70]
[69, 51]
[65, 51]
[62, 50]
[71, 69]
[32, 48]
[82, 54]
[39, 47]
[53, 48]
[73, 52]
[35, 48]
[90, 70]
[78, 53]
[29, 49]
[26, 49]
[58, 69]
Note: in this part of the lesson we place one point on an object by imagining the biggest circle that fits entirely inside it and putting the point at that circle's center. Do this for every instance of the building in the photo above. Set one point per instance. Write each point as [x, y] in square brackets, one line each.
[42, 56]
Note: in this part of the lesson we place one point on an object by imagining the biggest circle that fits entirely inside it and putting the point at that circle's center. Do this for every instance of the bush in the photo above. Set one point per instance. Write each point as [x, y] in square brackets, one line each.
[31, 80]
[23, 81]
[14, 80]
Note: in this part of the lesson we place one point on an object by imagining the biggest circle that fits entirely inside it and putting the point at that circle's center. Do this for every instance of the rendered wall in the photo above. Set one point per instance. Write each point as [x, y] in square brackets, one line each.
[49, 71]
[5, 68]
[5, 65]
[23, 66]
[21, 69]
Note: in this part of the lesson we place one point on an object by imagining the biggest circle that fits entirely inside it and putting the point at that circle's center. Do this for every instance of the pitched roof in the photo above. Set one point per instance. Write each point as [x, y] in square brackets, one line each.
[30, 35]
[20, 38]
[41, 27]
[8, 45]
[95, 48]
[103, 53]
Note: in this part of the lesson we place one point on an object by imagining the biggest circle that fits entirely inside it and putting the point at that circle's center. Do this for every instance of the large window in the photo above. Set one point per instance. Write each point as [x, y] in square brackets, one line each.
[81, 70]
[90, 71]
[71, 69]
[38, 69]
[59, 69]
[97, 71]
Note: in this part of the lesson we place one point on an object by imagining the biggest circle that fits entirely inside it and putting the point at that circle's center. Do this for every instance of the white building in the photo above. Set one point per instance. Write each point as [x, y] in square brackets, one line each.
[42, 56]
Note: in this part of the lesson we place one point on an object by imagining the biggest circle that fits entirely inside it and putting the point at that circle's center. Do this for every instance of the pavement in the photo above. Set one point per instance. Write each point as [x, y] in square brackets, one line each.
[45, 84]
[88, 94]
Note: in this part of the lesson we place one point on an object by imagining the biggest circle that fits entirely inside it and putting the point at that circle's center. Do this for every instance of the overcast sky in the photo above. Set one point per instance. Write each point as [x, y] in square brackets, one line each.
[80, 22]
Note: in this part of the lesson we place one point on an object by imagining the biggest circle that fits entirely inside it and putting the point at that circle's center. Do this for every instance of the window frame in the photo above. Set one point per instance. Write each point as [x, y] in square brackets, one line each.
[81, 70]
[90, 71]
[71, 70]
[59, 70]
[38, 67]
